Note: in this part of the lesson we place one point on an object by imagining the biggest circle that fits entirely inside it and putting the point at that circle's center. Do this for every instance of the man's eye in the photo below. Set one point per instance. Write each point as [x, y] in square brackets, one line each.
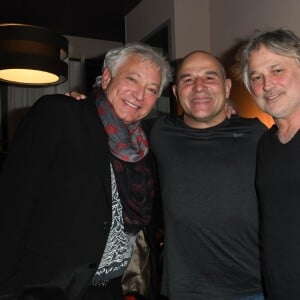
[131, 79]
[188, 80]
[153, 91]
[277, 71]
[255, 78]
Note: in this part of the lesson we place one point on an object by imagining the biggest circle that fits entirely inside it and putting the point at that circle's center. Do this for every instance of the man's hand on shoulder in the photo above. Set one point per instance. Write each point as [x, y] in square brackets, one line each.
[76, 95]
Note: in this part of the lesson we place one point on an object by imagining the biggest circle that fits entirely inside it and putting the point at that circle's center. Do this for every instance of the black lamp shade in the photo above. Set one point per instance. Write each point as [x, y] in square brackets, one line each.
[31, 55]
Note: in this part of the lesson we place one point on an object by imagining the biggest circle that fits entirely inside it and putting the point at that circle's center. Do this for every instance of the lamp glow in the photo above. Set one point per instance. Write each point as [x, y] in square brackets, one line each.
[28, 76]
[31, 55]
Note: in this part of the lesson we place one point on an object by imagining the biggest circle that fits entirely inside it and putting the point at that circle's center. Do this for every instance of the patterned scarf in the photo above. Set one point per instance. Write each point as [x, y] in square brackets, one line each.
[133, 168]
[127, 142]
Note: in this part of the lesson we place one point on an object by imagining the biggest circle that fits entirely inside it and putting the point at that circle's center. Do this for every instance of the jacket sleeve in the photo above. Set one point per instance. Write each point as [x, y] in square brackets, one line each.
[21, 179]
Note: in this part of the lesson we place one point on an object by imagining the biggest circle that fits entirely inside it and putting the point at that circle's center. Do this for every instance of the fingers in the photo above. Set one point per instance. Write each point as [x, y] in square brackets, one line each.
[76, 95]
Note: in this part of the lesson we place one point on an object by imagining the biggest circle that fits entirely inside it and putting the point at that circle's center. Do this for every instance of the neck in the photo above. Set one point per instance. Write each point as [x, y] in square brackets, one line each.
[203, 123]
[287, 128]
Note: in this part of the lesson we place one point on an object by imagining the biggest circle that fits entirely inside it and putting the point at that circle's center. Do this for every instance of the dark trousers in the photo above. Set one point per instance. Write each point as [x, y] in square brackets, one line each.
[112, 291]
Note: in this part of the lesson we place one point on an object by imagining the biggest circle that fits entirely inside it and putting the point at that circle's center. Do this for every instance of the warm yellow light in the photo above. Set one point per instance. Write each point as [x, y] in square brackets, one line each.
[32, 55]
[28, 76]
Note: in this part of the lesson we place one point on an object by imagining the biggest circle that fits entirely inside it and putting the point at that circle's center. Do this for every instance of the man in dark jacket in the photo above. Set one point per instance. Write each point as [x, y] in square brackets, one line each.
[77, 185]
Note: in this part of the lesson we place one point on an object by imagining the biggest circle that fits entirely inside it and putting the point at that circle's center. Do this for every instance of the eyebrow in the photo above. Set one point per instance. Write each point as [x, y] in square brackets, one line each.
[139, 75]
[134, 73]
[155, 84]
[274, 66]
[184, 75]
[253, 72]
[268, 68]
[209, 72]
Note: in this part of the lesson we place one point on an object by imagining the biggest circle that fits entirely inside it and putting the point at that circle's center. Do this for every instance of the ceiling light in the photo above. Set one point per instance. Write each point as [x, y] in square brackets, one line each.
[31, 55]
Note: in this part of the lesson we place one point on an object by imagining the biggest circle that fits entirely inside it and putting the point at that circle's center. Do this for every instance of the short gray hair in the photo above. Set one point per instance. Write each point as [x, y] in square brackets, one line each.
[281, 41]
[116, 56]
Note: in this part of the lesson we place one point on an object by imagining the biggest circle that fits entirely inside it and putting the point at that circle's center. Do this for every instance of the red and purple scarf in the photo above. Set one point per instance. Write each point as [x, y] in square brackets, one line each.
[133, 168]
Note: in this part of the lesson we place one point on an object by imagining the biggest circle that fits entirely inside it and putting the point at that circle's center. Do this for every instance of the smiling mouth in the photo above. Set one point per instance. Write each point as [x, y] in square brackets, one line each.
[201, 101]
[272, 97]
[131, 104]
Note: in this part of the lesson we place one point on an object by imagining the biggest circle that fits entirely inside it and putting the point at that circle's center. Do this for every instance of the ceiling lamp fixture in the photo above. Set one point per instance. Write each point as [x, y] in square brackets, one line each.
[31, 55]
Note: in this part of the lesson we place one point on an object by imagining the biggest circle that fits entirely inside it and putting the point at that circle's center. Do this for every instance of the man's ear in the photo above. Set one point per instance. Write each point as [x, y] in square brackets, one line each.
[174, 89]
[227, 87]
[105, 78]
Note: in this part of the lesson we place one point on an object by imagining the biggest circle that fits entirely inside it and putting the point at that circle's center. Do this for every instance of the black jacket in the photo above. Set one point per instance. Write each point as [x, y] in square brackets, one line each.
[55, 200]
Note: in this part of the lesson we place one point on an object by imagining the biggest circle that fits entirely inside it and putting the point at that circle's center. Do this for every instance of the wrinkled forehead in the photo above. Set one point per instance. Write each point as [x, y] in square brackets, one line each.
[137, 59]
[143, 68]
[265, 56]
[270, 51]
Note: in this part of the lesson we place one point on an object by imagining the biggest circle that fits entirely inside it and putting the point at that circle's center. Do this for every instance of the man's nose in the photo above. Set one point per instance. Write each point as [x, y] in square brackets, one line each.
[268, 83]
[139, 93]
[199, 83]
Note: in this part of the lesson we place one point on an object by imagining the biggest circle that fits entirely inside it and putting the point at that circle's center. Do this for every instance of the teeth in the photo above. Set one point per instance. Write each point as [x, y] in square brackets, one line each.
[271, 97]
[130, 104]
[201, 101]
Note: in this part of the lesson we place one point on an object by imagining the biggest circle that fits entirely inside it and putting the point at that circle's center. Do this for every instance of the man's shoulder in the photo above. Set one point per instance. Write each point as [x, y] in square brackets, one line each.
[50, 103]
[54, 100]
[250, 123]
[59, 103]
[270, 133]
[150, 123]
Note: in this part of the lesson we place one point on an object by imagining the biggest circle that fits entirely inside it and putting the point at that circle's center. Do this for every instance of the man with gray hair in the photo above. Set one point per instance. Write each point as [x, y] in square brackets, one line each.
[78, 184]
[269, 66]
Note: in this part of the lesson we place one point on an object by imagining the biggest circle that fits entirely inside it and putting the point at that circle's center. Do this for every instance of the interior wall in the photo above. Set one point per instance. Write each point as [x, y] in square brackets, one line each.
[89, 48]
[232, 21]
[146, 17]
[191, 21]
